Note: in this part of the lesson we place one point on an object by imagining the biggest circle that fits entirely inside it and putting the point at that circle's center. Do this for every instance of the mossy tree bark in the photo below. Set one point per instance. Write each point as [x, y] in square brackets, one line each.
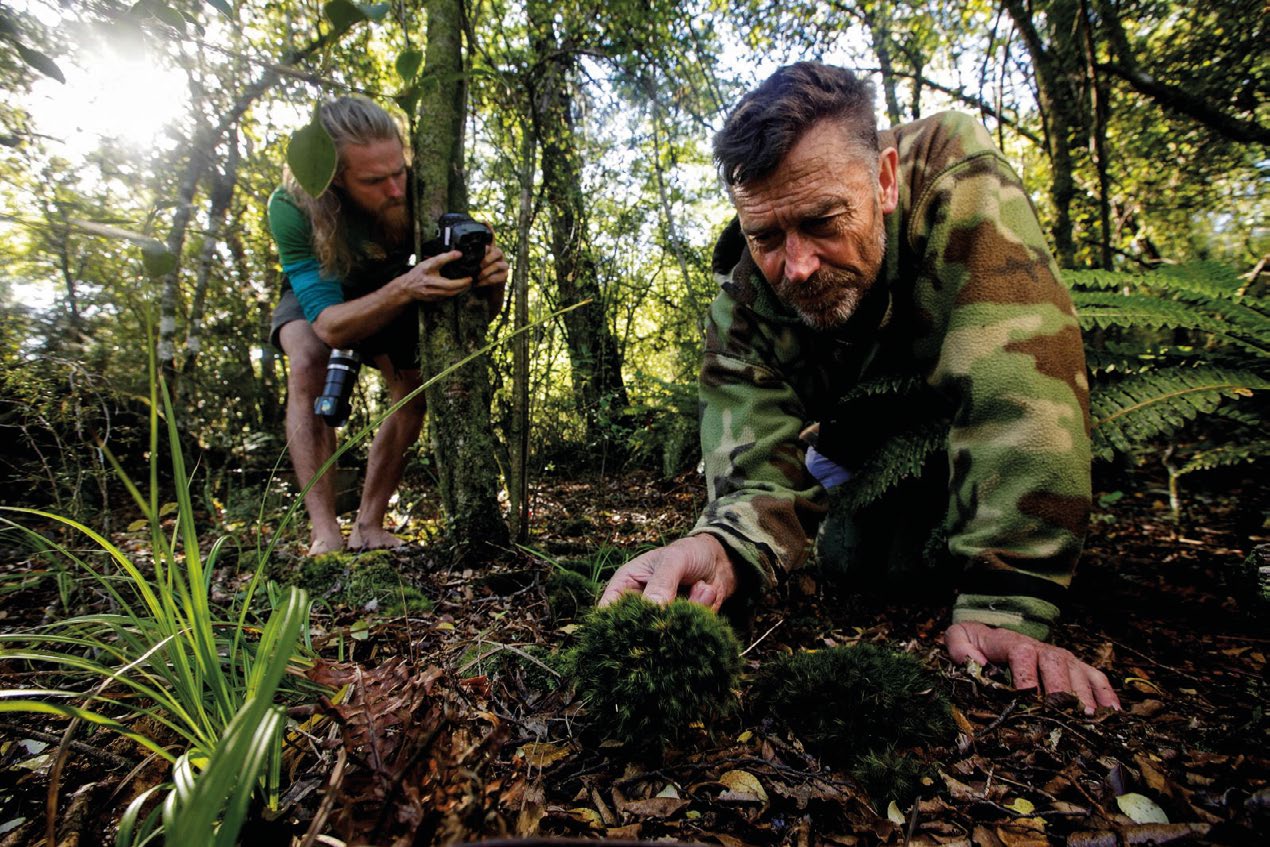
[463, 438]
[1059, 70]
[594, 355]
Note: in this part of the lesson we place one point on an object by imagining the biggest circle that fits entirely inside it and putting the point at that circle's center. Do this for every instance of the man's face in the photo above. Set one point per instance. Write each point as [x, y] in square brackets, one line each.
[374, 178]
[815, 225]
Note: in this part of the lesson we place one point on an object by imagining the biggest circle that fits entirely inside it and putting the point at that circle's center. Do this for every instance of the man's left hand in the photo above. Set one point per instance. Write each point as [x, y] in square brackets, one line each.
[491, 282]
[1032, 662]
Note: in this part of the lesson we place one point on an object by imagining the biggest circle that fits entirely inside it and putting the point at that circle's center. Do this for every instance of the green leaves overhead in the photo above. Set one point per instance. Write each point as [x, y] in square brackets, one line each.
[157, 260]
[343, 14]
[408, 64]
[312, 157]
[31, 56]
[40, 62]
[222, 6]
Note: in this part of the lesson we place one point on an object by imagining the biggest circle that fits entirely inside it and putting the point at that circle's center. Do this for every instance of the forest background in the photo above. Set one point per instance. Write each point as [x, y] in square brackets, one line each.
[139, 143]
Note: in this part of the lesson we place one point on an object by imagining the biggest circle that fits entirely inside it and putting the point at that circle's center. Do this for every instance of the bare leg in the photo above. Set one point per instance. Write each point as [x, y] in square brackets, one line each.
[387, 459]
[310, 441]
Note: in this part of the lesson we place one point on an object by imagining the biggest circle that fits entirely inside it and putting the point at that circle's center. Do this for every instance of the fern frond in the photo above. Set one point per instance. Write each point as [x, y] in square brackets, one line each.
[899, 458]
[1228, 455]
[896, 385]
[1099, 280]
[1131, 410]
[1205, 279]
[1235, 323]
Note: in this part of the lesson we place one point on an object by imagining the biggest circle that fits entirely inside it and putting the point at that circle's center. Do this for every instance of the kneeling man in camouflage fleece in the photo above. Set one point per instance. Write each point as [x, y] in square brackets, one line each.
[911, 258]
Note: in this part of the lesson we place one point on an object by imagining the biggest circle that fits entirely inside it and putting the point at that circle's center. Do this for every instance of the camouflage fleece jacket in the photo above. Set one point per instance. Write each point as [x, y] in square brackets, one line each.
[969, 302]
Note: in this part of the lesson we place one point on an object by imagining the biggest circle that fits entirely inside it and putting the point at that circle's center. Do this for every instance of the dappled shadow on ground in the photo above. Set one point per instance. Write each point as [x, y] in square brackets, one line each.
[450, 725]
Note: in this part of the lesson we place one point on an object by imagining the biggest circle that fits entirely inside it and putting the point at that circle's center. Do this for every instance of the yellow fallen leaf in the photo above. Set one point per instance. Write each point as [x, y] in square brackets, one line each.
[744, 737]
[1021, 805]
[590, 817]
[894, 815]
[444, 626]
[1141, 809]
[539, 754]
[743, 787]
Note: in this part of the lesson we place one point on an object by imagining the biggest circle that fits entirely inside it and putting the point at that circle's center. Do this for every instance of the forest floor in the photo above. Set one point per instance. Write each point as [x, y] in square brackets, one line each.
[453, 731]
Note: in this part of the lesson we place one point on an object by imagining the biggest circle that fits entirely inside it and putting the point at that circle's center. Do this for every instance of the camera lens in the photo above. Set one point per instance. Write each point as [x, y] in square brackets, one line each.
[335, 403]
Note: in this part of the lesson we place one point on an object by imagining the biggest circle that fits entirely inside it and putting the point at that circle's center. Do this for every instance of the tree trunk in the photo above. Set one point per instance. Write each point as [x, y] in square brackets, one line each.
[594, 355]
[222, 192]
[1057, 68]
[459, 404]
[518, 486]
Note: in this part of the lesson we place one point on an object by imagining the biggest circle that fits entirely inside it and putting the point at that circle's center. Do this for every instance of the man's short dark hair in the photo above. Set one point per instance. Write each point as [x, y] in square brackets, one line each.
[768, 121]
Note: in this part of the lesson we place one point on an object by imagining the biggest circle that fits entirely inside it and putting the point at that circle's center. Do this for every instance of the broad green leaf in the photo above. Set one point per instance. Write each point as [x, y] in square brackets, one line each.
[376, 11]
[40, 62]
[408, 100]
[168, 15]
[157, 261]
[343, 15]
[222, 6]
[312, 157]
[408, 63]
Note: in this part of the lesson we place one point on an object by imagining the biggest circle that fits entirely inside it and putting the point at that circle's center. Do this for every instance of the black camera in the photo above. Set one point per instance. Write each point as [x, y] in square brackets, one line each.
[335, 403]
[459, 232]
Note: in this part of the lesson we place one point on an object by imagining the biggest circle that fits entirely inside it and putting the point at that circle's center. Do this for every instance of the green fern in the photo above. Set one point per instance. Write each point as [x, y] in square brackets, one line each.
[1130, 411]
[1169, 347]
[899, 458]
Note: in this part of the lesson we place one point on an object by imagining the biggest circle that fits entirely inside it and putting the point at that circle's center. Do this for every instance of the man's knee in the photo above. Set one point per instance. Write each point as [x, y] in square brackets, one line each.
[306, 355]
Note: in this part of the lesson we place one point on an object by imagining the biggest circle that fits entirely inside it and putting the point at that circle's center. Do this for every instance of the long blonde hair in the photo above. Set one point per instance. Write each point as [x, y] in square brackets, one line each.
[349, 120]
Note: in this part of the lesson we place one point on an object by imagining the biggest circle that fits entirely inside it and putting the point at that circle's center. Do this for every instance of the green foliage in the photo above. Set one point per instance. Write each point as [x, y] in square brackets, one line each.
[369, 581]
[165, 657]
[312, 157]
[648, 673]
[848, 702]
[1168, 347]
[887, 775]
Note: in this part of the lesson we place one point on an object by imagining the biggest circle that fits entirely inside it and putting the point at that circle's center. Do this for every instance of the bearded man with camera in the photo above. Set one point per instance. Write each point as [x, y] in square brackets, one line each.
[350, 294]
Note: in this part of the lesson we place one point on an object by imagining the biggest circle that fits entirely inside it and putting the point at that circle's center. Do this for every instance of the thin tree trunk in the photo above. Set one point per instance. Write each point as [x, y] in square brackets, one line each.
[594, 355]
[1100, 106]
[460, 403]
[222, 192]
[1060, 104]
[518, 487]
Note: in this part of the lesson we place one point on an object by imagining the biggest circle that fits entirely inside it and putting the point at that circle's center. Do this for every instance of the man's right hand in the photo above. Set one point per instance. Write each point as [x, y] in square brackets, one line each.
[697, 564]
[425, 283]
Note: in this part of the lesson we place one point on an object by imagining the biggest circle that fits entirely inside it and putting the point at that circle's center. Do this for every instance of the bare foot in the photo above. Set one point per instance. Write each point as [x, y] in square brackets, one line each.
[372, 538]
[326, 543]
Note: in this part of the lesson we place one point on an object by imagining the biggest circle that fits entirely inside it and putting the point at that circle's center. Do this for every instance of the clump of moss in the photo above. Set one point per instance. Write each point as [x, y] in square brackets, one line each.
[649, 672]
[855, 706]
[357, 580]
[887, 775]
[570, 594]
[379, 582]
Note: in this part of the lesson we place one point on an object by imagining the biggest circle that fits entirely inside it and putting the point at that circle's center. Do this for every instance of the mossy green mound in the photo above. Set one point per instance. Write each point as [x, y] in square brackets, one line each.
[359, 580]
[570, 594]
[847, 702]
[649, 672]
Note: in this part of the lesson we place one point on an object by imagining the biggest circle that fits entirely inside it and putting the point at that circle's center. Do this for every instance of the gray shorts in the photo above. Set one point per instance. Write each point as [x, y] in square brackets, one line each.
[399, 338]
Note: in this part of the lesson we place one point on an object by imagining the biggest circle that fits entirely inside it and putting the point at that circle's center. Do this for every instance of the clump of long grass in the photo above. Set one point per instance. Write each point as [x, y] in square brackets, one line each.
[163, 657]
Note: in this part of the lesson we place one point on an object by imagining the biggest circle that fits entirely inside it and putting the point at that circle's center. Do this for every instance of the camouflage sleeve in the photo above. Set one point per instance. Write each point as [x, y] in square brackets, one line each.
[762, 504]
[1011, 357]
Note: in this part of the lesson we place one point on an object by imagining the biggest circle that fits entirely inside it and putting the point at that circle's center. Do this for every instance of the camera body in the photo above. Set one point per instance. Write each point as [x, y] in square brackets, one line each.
[335, 403]
[459, 232]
